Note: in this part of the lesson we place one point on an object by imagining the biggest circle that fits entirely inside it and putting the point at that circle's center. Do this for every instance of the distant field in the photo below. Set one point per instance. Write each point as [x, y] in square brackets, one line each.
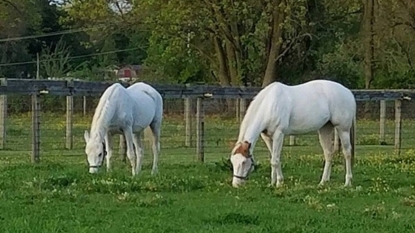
[58, 195]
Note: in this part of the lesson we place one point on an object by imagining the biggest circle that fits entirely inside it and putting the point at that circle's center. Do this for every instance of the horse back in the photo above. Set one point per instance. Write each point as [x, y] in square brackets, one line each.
[148, 103]
[324, 99]
[307, 107]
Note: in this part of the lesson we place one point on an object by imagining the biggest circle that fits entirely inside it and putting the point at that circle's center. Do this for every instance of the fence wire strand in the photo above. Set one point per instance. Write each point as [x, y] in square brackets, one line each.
[179, 136]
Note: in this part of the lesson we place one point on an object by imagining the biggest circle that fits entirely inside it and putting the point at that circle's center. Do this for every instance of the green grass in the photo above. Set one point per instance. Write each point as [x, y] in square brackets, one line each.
[58, 195]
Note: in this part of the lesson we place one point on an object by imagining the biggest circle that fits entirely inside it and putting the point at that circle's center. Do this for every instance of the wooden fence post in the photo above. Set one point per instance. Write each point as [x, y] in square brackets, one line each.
[238, 109]
[382, 122]
[188, 119]
[35, 128]
[292, 140]
[84, 105]
[398, 125]
[3, 115]
[69, 118]
[242, 109]
[200, 128]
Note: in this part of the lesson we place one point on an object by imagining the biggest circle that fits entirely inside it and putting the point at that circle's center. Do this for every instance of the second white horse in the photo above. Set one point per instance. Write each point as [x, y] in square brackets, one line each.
[128, 111]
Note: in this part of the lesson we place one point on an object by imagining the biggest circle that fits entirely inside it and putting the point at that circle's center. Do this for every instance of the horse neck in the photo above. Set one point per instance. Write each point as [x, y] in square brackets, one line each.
[101, 120]
[253, 123]
[251, 128]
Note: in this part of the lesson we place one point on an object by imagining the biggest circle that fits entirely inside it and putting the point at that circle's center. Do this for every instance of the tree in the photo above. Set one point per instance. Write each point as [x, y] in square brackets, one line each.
[109, 22]
[233, 37]
[16, 19]
[368, 34]
[56, 61]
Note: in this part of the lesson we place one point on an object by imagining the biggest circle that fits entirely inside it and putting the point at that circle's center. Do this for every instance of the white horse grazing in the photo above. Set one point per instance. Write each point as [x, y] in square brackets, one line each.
[279, 110]
[128, 111]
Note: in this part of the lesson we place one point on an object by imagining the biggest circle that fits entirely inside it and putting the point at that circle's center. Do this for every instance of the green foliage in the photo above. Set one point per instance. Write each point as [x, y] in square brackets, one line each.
[56, 62]
[226, 42]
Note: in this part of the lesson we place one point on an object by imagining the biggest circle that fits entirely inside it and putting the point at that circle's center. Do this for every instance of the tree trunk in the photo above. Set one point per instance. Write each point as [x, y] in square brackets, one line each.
[232, 64]
[4, 53]
[368, 33]
[274, 42]
[223, 70]
[222, 66]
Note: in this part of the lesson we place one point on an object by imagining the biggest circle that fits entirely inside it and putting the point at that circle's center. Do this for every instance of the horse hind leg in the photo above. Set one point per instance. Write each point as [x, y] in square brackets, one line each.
[139, 151]
[128, 133]
[344, 136]
[108, 145]
[276, 171]
[325, 137]
[155, 129]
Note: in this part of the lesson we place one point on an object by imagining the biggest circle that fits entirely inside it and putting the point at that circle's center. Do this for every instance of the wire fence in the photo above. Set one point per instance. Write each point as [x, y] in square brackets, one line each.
[196, 129]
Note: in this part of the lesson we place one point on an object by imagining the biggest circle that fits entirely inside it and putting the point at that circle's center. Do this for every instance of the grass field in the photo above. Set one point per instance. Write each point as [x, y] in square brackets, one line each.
[58, 195]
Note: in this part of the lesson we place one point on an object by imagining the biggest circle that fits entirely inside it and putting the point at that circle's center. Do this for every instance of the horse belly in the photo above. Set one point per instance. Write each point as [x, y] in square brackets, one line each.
[305, 126]
[308, 119]
[143, 118]
[115, 129]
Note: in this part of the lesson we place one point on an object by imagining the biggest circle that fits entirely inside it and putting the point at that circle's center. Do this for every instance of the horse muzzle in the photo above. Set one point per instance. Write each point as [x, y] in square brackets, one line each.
[237, 182]
[93, 169]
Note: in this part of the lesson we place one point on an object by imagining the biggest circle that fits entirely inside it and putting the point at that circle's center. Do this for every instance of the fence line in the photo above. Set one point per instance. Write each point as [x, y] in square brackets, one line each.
[189, 93]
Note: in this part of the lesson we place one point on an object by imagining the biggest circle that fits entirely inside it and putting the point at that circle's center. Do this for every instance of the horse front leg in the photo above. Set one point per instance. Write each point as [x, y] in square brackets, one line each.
[276, 171]
[108, 145]
[268, 142]
[128, 134]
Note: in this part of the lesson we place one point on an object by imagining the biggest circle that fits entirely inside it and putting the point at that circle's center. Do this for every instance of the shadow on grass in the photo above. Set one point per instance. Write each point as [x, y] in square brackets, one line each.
[235, 218]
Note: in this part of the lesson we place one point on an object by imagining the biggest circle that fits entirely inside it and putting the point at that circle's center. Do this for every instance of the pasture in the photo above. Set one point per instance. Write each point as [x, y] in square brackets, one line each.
[58, 194]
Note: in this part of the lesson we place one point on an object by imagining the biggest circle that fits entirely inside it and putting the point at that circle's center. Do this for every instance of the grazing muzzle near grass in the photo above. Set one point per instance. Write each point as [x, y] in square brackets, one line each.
[249, 171]
[103, 154]
[241, 169]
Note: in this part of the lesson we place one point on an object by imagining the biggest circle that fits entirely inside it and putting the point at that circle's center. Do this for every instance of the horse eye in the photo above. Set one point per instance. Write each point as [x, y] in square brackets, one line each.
[100, 154]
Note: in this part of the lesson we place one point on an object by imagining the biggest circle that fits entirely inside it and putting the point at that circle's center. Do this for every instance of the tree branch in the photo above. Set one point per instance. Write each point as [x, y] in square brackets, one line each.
[7, 2]
[291, 44]
[405, 51]
[222, 25]
[117, 4]
[203, 53]
[403, 23]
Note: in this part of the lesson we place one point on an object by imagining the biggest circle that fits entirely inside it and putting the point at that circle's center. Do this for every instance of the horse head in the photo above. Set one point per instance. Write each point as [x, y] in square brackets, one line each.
[95, 151]
[242, 163]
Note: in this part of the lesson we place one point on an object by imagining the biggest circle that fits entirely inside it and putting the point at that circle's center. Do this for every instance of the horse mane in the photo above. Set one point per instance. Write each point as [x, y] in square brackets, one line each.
[253, 110]
[104, 110]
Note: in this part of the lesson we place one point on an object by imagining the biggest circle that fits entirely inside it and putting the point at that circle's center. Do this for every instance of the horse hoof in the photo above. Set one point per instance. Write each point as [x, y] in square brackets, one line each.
[323, 183]
[279, 184]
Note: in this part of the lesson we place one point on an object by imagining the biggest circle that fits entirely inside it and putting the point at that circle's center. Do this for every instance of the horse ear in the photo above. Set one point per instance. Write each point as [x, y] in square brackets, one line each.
[86, 136]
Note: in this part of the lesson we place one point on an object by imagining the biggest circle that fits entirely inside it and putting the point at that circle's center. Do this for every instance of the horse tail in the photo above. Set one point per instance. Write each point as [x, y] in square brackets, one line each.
[353, 139]
[158, 100]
